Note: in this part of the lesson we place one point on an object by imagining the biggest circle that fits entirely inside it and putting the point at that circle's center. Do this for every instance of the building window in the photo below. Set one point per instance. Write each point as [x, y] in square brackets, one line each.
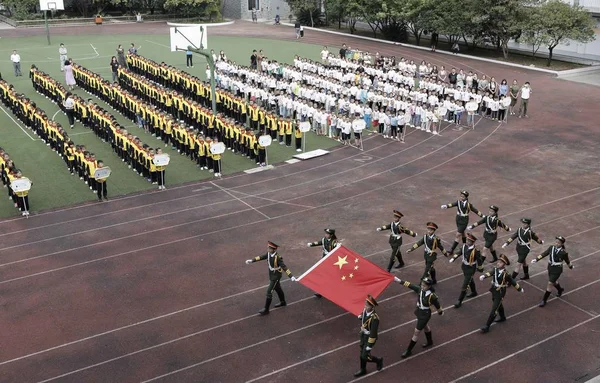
[253, 4]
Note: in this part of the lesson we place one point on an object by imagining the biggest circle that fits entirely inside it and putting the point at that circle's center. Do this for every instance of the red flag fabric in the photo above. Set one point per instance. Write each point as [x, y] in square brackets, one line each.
[346, 278]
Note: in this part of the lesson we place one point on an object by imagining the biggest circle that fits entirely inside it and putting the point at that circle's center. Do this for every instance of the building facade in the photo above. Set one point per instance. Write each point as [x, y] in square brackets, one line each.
[266, 9]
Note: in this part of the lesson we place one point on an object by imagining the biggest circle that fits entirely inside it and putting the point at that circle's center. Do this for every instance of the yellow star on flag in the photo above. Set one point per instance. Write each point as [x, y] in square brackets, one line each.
[351, 275]
[355, 260]
[343, 277]
[341, 261]
[355, 267]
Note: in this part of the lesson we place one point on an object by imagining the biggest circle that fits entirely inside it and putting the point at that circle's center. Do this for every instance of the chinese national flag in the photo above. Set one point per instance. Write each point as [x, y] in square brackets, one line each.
[346, 278]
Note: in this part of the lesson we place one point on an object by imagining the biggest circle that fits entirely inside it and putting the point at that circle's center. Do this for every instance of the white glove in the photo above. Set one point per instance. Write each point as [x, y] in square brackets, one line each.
[509, 229]
[571, 267]
[470, 227]
[416, 234]
[534, 261]
[378, 229]
[308, 244]
[481, 277]
[368, 348]
[542, 241]
[248, 261]
[451, 260]
[294, 279]
[396, 279]
[522, 290]
[444, 207]
[504, 246]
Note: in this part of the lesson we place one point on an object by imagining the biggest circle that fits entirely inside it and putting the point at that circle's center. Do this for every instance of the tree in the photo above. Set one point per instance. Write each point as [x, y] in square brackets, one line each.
[301, 6]
[193, 8]
[533, 32]
[19, 9]
[501, 20]
[418, 15]
[560, 23]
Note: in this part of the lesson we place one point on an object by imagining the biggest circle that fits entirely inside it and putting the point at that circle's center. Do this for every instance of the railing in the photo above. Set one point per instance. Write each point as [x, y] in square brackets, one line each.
[8, 20]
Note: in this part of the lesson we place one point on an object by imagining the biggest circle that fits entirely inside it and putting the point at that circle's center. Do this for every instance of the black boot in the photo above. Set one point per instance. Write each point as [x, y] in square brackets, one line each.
[363, 369]
[494, 256]
[526, 272]
[464, 238]
[514, 274]
[379, 362]
[429, 340]
[432, 275]
[408, 351]
[560, 290]
[460, 299]
[544, 299]
[265, 310]
[281, 304]
[454, 244]
[400, 260]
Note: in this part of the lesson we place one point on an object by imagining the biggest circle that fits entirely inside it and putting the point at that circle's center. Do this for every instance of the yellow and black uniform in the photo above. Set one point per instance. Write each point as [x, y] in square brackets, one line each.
[395, 241]
[276, 269]
[298, 137]
[471, 262]
[500, 281]
[289, 128]
[369, 328]
[101, 189]
[431, 244]
[425, 300]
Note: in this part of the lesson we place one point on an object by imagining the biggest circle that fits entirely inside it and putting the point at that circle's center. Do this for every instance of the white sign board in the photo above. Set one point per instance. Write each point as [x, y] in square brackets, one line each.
[506, 102]
[102, 173]
[20, 185]
[304, 126]
[195, 36]
[265, 140]
[161, 159]
[52, 5]
[217, 148]
[471, 106]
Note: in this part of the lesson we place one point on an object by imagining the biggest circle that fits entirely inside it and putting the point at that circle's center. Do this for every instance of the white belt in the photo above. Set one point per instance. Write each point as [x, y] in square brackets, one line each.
[422, 307]
[395, 235]
[523, 243]
[496, 285]
[556, 264]
[365, 331]
[469, 264]
[462, 215]
[490, 231]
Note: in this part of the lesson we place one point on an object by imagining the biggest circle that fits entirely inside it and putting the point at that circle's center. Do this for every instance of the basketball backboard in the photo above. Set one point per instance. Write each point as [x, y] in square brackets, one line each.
[194, 35]
[52, 5]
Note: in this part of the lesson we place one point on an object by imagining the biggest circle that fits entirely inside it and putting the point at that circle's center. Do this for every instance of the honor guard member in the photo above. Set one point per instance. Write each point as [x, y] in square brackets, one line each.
[276, 269]
[471, 262]
[500, 281]
[523, 236]
[427, 298]
[396, 239]
[492, 222]
[463, 208]
[368, 336]
[556, 254]
[328, 243]
[431, 242]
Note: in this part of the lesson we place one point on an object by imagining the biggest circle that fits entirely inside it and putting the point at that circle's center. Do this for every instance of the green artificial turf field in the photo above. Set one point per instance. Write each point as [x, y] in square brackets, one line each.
[53, 184]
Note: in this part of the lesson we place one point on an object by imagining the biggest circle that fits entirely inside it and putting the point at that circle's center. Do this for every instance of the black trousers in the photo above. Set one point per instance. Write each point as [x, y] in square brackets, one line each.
[275, 285]
[188, 60]
[101, 189]
[497, 307]
[365, 355]
[70, 116]
[396, 254]
[468, 282]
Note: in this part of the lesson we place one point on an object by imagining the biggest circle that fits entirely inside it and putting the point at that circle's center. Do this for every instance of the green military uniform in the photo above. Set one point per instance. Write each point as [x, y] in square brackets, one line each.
[463, 208]
[368, 337]
[556, 256]
[426, 299]
[492, 223]
[523, 235]
[327, 244]
[396, 239]
[431, 242]
[472, 260]
[276, 269]
[500, 281]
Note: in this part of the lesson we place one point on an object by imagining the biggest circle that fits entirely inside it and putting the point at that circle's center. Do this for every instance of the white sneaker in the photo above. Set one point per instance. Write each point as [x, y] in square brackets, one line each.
[435, 133]
[298, 150]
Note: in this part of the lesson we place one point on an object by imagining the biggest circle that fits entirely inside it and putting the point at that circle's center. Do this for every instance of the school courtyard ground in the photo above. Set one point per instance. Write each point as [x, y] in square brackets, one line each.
[152, 286]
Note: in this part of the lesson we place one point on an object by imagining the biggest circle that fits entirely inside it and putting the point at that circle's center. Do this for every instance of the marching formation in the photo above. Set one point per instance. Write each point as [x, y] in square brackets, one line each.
[472, 260]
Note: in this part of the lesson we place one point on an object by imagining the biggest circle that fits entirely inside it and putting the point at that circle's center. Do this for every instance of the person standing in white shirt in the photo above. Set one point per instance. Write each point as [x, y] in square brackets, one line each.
[62, 54]
[324, 55]
[16, 60]
[525, 94]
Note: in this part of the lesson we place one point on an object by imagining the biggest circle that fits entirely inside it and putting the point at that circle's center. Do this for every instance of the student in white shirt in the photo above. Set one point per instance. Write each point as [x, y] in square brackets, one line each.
[495, 106]
[16, 60]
